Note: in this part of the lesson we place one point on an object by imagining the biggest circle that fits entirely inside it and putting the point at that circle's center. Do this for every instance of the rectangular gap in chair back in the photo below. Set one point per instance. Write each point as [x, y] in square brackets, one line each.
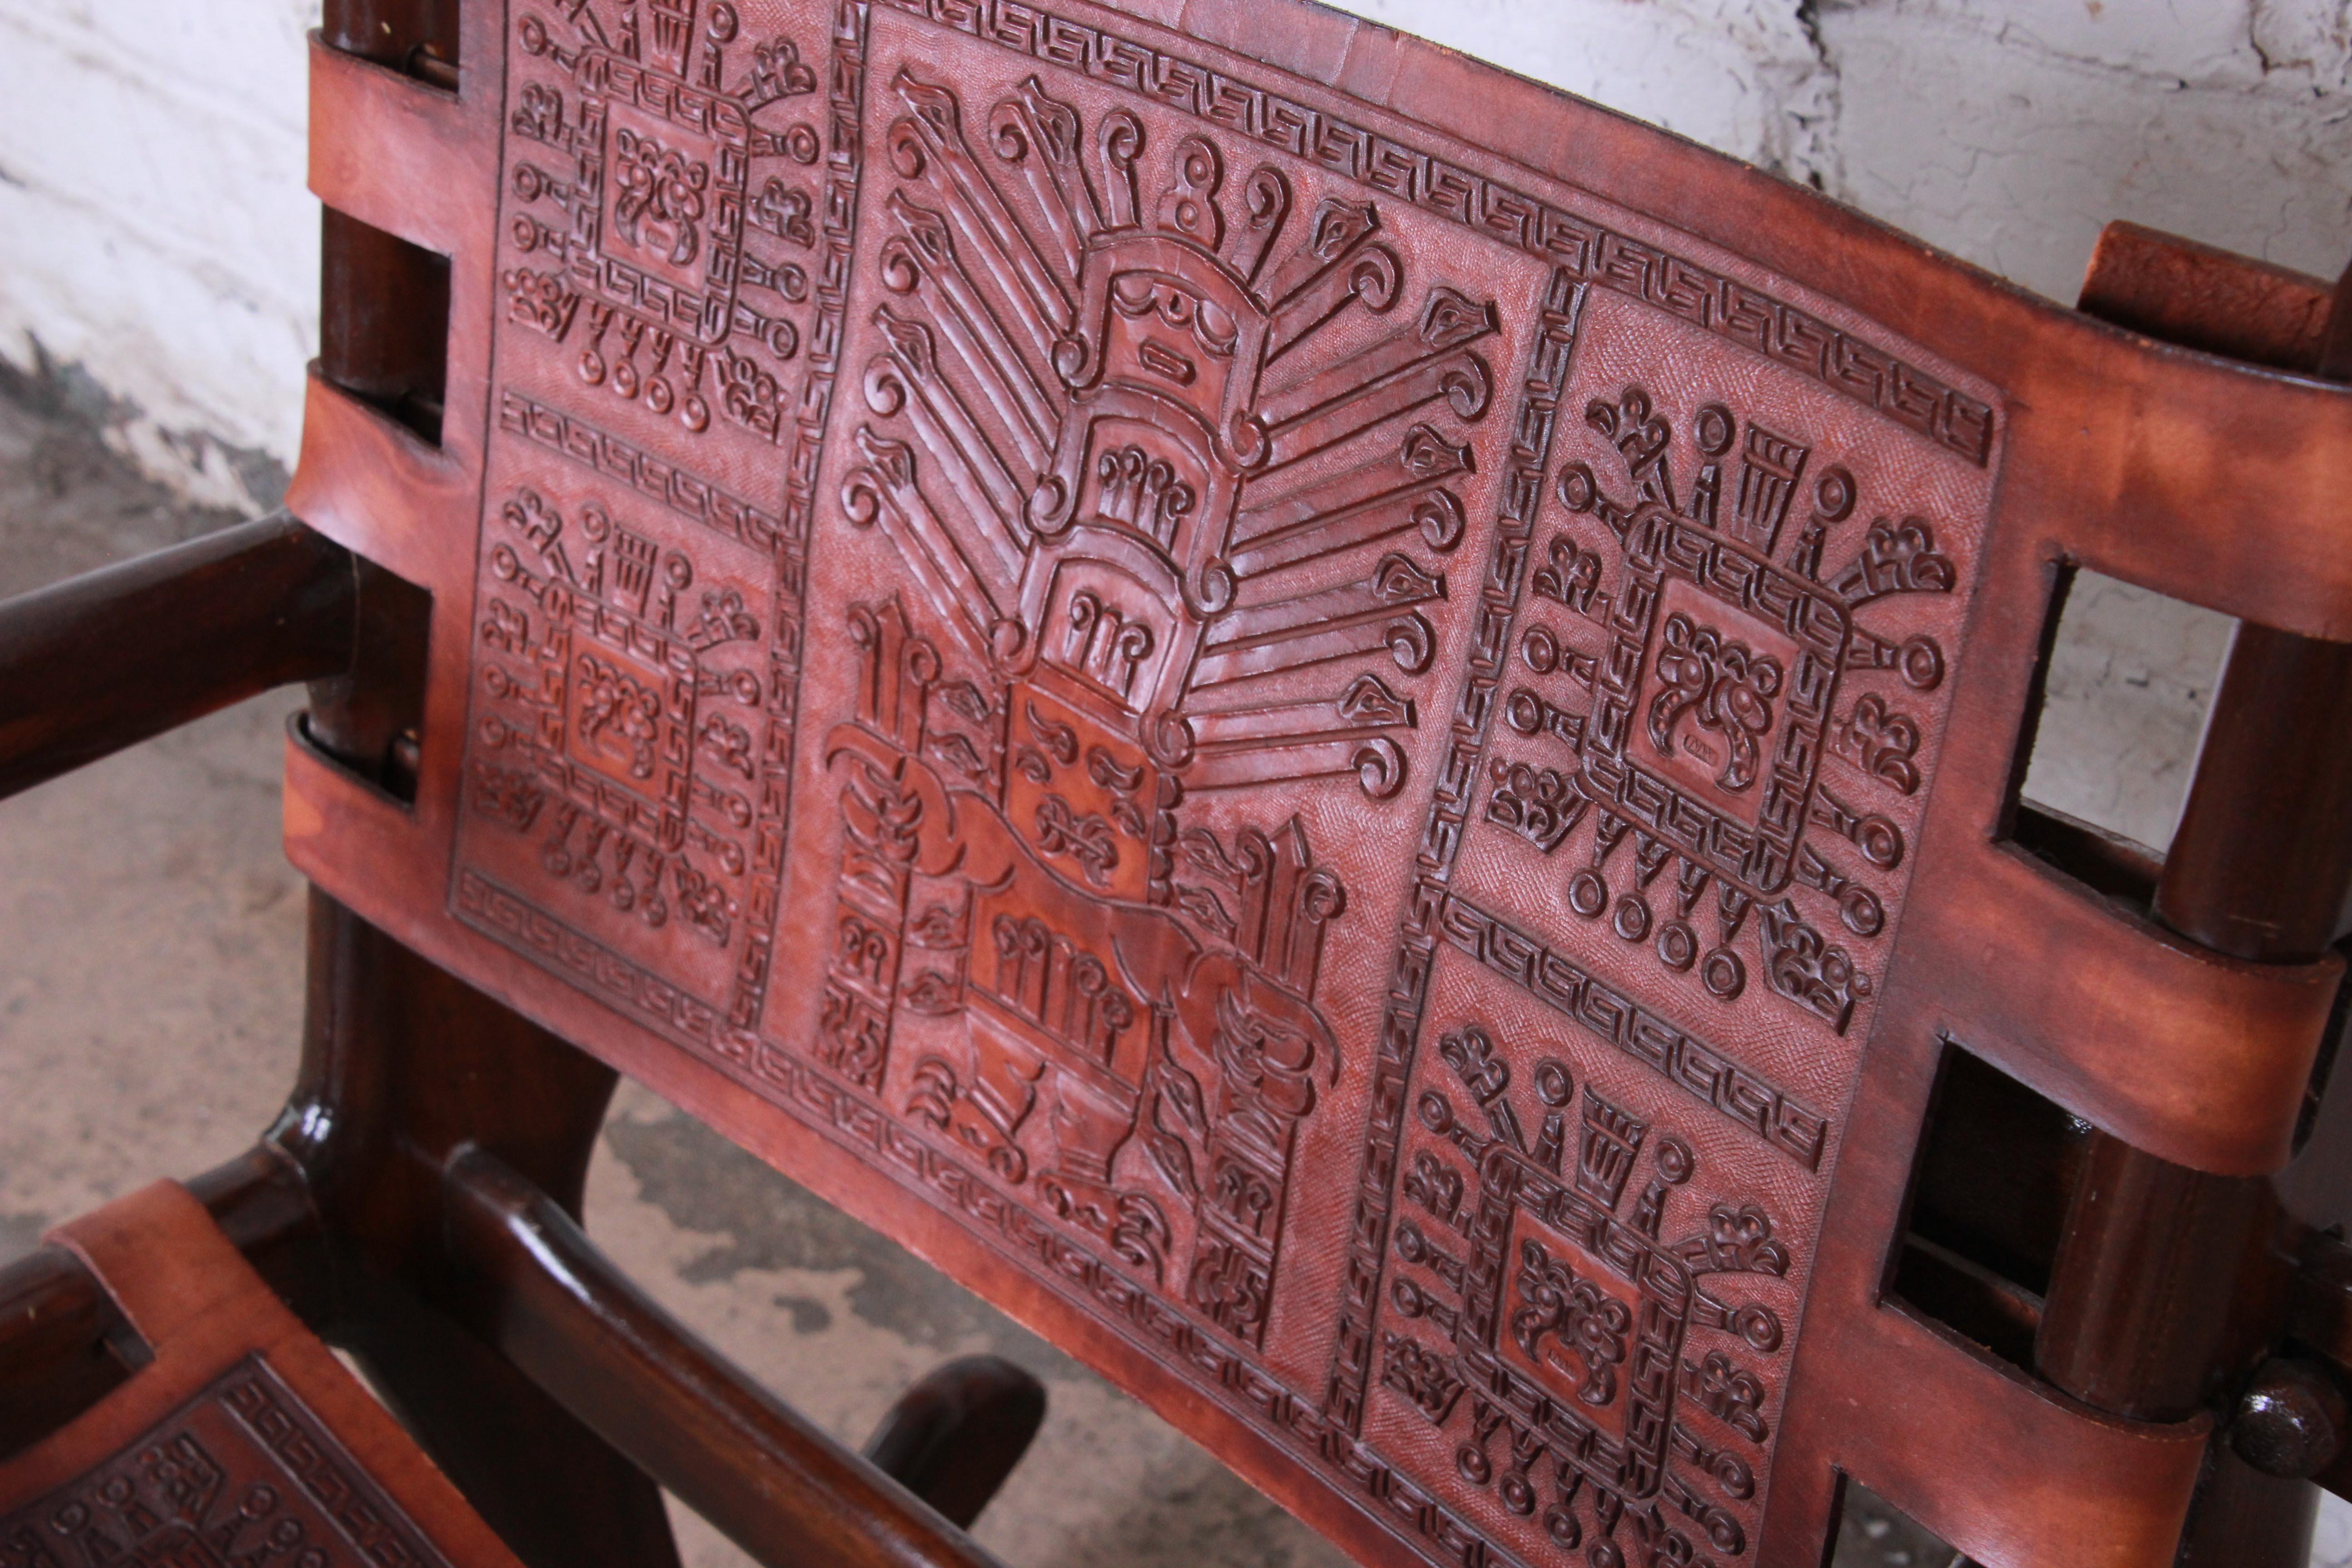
[371, 718]
[1997, 1166]
[381, 326]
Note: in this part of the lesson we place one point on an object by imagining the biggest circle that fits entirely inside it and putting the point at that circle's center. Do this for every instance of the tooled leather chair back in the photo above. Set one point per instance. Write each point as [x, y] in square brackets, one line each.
[1344, 729]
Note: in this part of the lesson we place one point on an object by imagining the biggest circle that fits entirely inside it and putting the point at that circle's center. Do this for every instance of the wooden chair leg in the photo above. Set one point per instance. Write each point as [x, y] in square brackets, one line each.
[401, 1064]
[957, 1432]
[384, 1209]
[557, 1494]
[2155, 1300]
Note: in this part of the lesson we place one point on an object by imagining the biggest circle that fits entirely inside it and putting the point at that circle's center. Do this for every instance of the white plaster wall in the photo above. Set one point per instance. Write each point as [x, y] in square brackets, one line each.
[155, 231]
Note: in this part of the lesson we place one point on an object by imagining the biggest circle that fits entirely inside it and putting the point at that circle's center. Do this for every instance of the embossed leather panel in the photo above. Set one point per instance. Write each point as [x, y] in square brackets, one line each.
[1300, 749]
[242, 1468]
[241, 1440]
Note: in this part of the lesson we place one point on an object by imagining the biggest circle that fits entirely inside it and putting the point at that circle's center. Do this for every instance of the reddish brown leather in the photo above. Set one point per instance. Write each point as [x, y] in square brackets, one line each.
[243, 1436]
[1100, 631]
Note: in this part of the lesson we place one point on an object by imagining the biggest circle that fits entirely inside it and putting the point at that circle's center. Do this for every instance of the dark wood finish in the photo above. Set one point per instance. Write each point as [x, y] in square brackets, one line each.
[374, 289]
[951, 1440]
[262, 1202]
[402, 1065]
[64, 1343]
[342, 1214]
[384, 303]
[2260, 867]
[2165, 1293]
[370, 718]
[553, 1489]
[956, 1434]
[2139, 1314]
[111, 657]
[2245, 1519]
[745, 1461]
[408, 1075]
[396, 33]
[400, 1062]
[2320, 1299]
[60, 1347]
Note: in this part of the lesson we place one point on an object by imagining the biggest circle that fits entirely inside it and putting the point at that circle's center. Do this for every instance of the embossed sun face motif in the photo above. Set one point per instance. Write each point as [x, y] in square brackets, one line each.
[660, 198]
[964, 582]
[1166, 456]
[1726, 687]
[1124, 506]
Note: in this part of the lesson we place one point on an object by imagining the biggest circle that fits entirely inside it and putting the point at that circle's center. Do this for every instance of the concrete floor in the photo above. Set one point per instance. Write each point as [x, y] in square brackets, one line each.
[151, 939]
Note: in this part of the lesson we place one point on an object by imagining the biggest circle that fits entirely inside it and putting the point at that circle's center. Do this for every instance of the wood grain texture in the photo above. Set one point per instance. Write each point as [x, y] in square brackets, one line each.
[116, 656]
[754, 1467]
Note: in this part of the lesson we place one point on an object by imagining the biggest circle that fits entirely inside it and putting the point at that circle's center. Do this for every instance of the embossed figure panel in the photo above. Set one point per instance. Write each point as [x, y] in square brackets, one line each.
[242, 1473]
[1315, 744]
[671, 255]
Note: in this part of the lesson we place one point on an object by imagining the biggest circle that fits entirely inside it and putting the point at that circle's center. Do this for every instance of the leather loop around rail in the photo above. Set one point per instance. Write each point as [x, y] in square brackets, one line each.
[2002, 1467]
[243, 1433]
[2193, 1056]
[392, 151]
[160, 1256]
[2024, 1478]
[368, 483]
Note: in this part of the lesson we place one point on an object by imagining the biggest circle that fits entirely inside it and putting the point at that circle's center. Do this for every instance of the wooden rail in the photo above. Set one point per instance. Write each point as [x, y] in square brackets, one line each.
[106, 659]
[552, 1305]
[760, 1471]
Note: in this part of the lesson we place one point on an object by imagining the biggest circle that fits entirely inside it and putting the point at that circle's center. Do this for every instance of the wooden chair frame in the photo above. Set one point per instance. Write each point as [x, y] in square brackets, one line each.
[418, 1203]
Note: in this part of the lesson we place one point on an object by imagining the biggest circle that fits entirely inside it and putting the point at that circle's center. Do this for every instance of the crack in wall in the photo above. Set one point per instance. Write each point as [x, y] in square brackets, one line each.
[1813, 157]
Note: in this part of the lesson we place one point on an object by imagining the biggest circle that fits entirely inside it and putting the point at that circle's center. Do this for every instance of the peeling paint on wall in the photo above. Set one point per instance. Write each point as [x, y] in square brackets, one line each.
[154, 229]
